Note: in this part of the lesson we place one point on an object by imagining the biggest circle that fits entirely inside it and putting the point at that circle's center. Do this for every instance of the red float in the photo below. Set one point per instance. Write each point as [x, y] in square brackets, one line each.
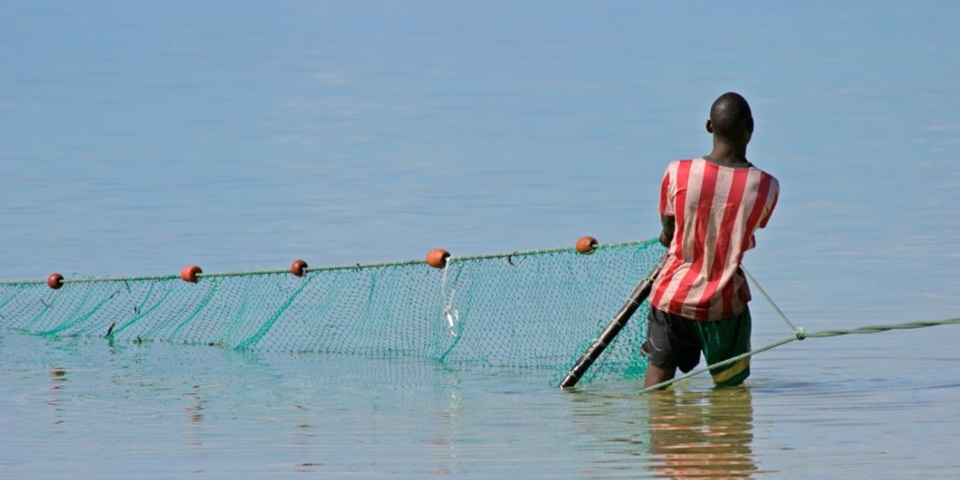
[189, 273]
[55, 281]
[298, 267]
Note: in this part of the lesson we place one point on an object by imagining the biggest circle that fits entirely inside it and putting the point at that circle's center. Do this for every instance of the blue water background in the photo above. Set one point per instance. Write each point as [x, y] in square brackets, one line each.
[138, 138]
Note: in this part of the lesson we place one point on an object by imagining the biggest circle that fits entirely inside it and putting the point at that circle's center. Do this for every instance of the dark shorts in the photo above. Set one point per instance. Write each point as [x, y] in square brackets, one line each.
[676, 342]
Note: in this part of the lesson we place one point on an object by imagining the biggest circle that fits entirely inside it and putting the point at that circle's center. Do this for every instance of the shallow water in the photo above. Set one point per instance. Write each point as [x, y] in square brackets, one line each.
[138, 139]
[161, 411]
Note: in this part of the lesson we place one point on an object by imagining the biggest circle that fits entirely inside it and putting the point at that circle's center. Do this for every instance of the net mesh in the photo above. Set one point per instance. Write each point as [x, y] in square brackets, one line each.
[534, 309]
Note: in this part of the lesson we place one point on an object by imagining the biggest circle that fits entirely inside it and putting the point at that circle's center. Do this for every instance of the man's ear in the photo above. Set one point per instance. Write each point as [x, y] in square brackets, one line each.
[710, 126]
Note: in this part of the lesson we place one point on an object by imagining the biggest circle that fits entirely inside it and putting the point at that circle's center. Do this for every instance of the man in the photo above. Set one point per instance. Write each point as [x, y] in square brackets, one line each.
[710, 208]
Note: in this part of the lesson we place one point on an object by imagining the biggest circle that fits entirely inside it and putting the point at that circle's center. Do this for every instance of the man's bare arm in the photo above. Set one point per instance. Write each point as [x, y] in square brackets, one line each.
[669, 225]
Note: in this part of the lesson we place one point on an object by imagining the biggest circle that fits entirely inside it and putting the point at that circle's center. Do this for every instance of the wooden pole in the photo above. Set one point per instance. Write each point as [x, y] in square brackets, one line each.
[640, 293]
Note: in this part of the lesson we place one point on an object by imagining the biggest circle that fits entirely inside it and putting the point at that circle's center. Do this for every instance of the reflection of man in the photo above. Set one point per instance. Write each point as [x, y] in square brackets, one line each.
[702, 434]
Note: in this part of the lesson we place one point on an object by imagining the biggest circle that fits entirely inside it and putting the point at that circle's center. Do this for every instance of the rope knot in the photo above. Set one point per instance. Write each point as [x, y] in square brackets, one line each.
[799, 333]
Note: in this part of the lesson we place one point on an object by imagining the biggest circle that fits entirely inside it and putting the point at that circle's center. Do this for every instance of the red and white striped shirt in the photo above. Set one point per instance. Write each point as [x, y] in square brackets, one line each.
[717, 209]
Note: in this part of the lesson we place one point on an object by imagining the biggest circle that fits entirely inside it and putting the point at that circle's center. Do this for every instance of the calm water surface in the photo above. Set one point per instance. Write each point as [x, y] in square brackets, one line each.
[135, 139]
[167, 411]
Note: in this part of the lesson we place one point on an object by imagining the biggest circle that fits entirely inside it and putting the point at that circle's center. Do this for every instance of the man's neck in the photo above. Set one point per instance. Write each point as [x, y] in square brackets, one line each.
[729, 155]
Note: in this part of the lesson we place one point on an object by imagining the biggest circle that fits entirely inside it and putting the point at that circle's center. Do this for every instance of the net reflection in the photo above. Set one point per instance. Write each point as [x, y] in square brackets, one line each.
[697, 434]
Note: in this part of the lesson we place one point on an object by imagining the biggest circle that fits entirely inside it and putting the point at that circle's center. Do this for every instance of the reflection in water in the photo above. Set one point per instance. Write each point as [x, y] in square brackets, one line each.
[58, 375]
[195, 410]
[445, 451]
[695, 434]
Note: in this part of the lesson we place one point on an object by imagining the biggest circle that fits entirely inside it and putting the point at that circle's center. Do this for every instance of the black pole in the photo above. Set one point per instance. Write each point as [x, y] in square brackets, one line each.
[613, 328]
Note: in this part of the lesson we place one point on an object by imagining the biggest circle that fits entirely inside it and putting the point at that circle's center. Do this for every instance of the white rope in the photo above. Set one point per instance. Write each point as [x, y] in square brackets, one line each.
[793, 327]
[451, 314]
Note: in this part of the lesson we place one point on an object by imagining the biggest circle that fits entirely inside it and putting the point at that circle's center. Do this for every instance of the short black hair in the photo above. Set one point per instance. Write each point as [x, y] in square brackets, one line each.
[731, 115]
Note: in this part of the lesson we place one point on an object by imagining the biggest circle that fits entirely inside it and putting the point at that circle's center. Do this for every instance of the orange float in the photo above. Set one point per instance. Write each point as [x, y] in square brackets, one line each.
[586, 245]
[437, 258]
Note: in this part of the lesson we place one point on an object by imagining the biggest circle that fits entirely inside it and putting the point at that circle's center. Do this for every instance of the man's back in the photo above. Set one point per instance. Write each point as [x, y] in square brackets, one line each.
[718, 209]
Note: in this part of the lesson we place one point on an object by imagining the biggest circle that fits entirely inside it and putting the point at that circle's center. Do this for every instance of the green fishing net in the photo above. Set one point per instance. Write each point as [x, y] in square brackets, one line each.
[532, 309]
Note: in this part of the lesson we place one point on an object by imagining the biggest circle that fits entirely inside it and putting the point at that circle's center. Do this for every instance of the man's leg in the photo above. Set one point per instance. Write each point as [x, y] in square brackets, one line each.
[725, 339]
[657, 375]
[670, 344]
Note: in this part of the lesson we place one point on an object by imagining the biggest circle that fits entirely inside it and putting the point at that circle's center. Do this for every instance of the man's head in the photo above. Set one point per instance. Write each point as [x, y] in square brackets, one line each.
[731, 119]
